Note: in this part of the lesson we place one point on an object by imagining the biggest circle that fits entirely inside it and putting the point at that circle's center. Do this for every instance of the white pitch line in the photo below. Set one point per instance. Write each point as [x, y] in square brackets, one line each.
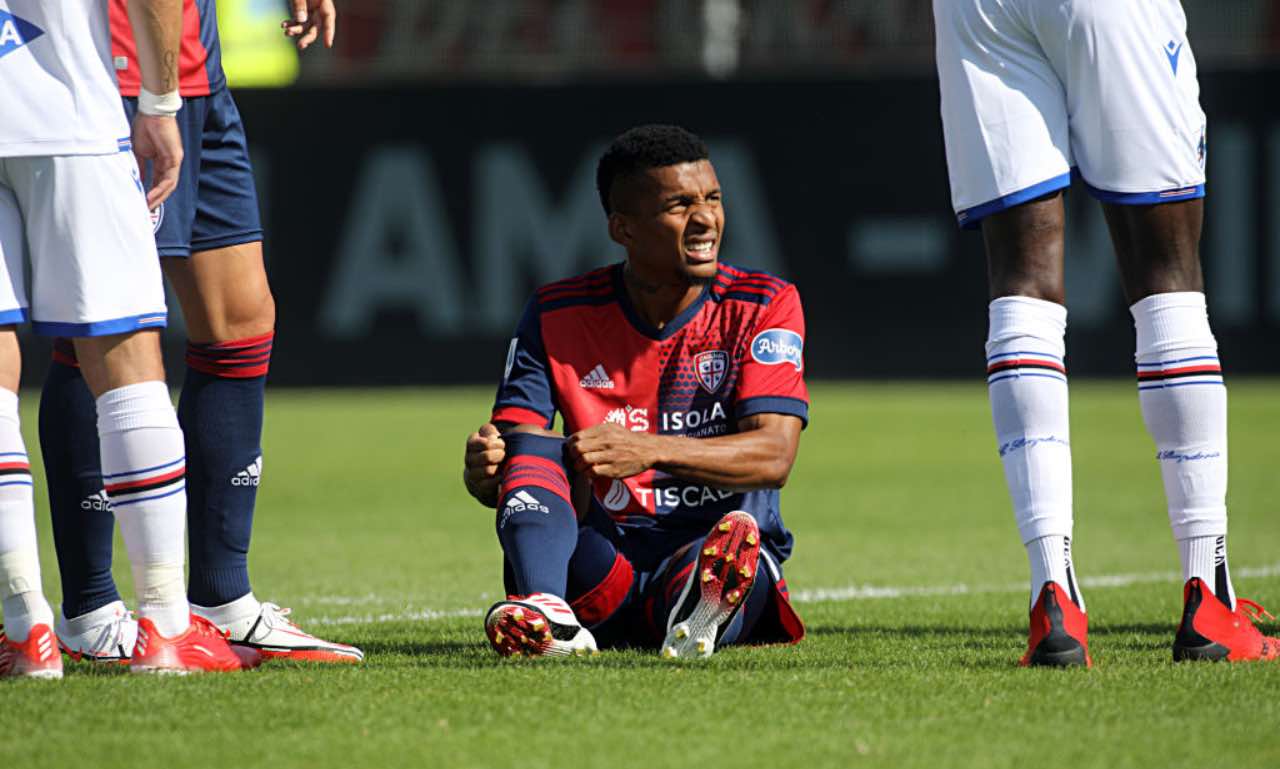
[816, 595]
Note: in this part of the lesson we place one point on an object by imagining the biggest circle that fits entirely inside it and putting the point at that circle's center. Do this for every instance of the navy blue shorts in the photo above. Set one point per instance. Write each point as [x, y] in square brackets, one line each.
[216, 203]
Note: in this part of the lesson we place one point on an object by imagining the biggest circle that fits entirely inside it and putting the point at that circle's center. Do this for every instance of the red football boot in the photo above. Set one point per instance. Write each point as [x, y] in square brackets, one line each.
[537, 625]
[202, 647]
[716, 589]
[1211, 631]
[1059, 631]
[36, 657]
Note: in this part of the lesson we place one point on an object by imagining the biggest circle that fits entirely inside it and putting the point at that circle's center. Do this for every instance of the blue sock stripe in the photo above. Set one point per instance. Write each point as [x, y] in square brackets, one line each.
[126, 502]
[180, 459]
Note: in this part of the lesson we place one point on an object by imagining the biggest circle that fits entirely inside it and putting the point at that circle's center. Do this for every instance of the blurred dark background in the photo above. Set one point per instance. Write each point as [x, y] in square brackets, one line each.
[422, 177]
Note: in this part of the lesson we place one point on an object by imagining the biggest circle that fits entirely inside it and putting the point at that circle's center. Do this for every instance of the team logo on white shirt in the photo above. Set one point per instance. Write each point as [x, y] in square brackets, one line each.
[711, 367]
[15, 33]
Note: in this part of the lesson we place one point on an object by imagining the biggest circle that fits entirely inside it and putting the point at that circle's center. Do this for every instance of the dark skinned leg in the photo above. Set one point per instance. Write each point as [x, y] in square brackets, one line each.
[1025, 250]
[1027, 385]
[1157, 247]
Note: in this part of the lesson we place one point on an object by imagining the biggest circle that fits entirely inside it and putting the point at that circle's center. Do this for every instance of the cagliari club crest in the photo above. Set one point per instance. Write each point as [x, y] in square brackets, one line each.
[711, 366]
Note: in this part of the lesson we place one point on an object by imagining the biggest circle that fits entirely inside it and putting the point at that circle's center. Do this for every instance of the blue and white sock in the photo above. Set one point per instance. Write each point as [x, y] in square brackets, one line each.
[1027, 385]
[21, 597]
[1184, 405]
[145, 473]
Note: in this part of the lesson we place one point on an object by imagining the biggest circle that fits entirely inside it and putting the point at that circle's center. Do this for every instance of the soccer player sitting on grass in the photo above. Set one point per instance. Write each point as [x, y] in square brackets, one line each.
[679, 381]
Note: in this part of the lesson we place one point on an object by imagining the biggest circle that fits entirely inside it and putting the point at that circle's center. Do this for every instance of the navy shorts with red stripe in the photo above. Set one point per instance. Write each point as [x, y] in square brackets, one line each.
[216, 202]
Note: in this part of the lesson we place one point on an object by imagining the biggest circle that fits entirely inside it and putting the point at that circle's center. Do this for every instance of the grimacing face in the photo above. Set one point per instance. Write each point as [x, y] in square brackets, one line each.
[671, 221]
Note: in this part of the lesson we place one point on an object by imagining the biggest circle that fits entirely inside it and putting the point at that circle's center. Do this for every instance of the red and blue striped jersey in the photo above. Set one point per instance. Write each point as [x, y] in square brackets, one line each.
[582, 350]
[200, 57]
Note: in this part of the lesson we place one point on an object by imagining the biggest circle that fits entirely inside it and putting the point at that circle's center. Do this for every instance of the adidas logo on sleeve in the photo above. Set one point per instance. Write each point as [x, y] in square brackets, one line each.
[597, 379]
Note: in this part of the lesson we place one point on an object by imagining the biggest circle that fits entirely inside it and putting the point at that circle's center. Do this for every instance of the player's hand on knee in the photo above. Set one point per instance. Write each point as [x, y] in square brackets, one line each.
[156, 139]
[611, 451]
[484, 455]
[311, 18]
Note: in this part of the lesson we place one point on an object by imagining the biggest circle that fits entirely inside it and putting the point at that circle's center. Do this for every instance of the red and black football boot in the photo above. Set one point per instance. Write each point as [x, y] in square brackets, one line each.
[1059, 631]
[1210, 630]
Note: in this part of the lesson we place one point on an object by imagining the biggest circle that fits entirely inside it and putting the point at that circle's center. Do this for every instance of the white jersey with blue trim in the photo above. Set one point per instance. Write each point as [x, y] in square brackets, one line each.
[58, 94]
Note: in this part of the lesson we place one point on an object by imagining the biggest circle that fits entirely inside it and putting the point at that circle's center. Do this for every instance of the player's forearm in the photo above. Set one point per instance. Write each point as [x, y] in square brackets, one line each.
[745, 461]
[157, 34]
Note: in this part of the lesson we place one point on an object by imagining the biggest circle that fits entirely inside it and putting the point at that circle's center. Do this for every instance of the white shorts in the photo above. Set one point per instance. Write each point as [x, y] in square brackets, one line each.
[1034, 90]
[81, 221]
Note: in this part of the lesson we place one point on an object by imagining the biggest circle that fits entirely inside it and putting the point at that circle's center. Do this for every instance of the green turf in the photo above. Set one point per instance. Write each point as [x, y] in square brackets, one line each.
[365, 530]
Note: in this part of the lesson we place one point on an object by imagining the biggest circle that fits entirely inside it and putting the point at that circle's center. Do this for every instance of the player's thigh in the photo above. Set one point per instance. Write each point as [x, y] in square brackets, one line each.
[1137, 129]
[223, 286]
[13, 290]
[1004, 109]
[13, 257]
[1157, 246]
[94, 270]
[224, 292]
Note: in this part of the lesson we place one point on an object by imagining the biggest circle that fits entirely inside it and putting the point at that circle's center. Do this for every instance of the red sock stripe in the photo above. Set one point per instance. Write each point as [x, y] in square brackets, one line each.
[526, 470]
[237, 359]
[155, 480]
[599, 603]
[64, 352]
[1005, 365]
[1180, 371]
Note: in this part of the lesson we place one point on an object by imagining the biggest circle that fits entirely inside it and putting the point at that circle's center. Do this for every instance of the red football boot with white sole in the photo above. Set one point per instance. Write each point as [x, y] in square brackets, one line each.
[1059, 631]
[716, 589]
[537, 625]
[36, 657]
[201, 648]
[1212, 631]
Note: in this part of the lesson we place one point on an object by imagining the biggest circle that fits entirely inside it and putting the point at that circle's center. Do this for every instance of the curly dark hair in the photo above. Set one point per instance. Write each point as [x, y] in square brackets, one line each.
[642, 148]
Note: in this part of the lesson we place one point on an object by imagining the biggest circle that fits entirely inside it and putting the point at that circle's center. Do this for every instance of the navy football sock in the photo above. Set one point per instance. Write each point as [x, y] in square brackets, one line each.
[600, 578]
[220, 411]
[82, 521]
[536, 523]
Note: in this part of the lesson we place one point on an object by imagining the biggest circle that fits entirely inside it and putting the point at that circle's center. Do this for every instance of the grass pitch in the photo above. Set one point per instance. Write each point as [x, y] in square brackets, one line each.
[907, 565]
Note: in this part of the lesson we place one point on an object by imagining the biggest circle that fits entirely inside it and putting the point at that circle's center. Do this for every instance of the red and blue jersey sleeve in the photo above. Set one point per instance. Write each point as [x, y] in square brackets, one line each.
[525, 395]
[772, 365]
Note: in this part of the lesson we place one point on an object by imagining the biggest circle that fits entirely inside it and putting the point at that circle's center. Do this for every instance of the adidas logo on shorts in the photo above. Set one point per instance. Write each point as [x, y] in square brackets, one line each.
[596, 379]
[250, 476]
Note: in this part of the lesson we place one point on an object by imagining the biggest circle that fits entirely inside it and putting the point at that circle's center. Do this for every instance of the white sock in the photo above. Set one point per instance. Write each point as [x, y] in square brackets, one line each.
[244, 607]
[1050, 559]
[1027, 382]
[1206, 558]
[20, 594]
[143, 467]
[1184, 405]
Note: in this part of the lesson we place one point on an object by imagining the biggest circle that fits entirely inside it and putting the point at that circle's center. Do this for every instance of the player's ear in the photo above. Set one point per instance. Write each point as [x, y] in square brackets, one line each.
[619, 229]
